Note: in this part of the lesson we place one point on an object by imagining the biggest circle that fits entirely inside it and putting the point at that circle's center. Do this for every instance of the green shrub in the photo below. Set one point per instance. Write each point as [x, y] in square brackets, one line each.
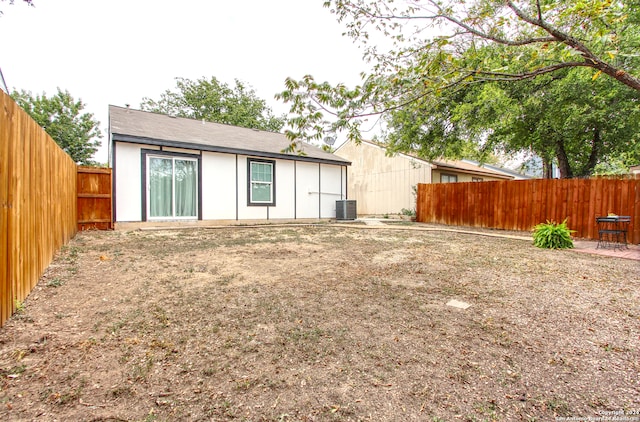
[409, 213]
[551, 235]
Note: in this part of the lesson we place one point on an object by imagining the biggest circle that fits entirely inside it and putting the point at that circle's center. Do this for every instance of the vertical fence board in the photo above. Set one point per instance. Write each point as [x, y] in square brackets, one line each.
[518, 189]
[575, 216]
[553, 204]
[519, 216]
[580, 191]
[37, 196]
[7, 110]
[601, 207]
[520, 205]
[536, 203]
[563, 198]
[489, 211]
[466, 203]
[592, 208]
[15, 190]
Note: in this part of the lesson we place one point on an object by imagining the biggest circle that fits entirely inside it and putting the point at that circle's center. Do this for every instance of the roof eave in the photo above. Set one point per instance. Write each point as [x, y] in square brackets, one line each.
[119, 137]
[439, 166]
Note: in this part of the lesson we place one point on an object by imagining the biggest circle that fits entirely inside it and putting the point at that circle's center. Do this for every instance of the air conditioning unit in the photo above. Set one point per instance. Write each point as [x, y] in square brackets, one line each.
[346, 209]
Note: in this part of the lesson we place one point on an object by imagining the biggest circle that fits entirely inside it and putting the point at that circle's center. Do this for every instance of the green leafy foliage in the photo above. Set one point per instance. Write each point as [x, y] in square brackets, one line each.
[61, 116]
[408, 212]
[215, 101]
[573, 119]
[551, 235]
[18, 306]
[567, 118]
[424, 53]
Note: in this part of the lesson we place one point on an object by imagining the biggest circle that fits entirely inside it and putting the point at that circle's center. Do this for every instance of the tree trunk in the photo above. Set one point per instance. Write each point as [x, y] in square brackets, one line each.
[587, 170]
[547, 168]
[563, 161]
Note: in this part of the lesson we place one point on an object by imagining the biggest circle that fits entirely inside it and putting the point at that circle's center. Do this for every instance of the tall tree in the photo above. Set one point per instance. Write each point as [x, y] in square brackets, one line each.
[215, 101]
[580, 124]
[598, 34]
[439, 45]
[434, 127]
[61, 116]
[561, 118]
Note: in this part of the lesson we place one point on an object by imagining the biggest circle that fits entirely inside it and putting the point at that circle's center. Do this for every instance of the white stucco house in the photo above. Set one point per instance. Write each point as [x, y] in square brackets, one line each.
[175, 169]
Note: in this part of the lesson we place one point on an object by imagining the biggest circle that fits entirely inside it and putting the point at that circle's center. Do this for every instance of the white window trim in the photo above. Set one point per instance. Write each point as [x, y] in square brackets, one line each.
[448, 176]
[271, 184]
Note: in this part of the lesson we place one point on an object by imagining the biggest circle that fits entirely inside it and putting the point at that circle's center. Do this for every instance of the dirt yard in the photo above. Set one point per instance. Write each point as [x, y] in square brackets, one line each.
[319, 324]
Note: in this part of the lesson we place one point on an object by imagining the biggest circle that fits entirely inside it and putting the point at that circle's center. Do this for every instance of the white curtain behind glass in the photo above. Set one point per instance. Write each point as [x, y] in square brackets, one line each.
[186, 181]
[160, 187]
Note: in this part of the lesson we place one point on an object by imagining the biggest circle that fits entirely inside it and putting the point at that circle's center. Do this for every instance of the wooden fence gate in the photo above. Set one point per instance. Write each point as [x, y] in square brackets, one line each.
[94, 199]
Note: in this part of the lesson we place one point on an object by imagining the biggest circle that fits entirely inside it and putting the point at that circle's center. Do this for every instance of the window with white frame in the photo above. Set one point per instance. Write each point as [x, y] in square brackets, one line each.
[261, 182]
[448, 178]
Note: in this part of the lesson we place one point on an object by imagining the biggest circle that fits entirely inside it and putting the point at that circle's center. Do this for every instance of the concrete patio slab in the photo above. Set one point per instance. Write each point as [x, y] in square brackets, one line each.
[589, 246]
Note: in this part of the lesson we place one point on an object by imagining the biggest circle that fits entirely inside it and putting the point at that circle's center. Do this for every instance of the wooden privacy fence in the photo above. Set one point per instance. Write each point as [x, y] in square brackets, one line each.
[37, 203]
[94, 198]
[521, 204]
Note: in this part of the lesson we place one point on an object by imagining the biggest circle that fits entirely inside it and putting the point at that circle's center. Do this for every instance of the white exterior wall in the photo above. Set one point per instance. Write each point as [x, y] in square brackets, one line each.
[128, 182]
[319, 187]
[218, 187]
[330, 184]
[285, 195]
[245, 212]
[296, 184]
[306, 184]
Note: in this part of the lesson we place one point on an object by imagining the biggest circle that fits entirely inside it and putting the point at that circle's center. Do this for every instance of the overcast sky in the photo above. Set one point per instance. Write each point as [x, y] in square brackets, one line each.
[119, 51]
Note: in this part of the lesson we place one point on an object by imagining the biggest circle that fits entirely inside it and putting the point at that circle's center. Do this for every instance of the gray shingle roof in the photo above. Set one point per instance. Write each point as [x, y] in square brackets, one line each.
[136, 126]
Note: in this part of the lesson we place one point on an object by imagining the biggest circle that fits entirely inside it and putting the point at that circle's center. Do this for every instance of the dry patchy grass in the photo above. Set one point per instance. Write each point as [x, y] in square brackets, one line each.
[321, 323]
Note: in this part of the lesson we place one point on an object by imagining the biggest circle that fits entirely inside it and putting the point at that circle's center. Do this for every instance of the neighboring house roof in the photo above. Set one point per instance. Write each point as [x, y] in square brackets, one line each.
[464, 167]
[142, 127]
[451, 165]
[508, 172]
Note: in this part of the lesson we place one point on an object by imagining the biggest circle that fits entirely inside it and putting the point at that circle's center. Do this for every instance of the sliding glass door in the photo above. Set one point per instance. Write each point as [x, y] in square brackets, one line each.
[172, 187]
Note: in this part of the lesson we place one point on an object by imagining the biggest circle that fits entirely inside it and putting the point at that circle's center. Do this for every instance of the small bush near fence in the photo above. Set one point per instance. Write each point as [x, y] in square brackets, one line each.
[552, 235]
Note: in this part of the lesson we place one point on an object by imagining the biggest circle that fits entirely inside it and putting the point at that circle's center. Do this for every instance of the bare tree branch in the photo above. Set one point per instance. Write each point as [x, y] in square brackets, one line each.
[508, 77]
[484, 35]
[591, 59]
